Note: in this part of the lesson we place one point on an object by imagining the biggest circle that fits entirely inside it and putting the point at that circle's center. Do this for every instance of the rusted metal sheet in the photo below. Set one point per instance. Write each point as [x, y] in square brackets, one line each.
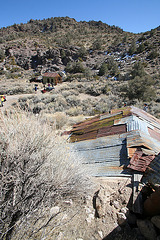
[107, 140]
[131, 151]
[104, 156]
[51, 74]
[106, 116]
[111, 130]
[140, 161]
[86, 122]
[83, 136]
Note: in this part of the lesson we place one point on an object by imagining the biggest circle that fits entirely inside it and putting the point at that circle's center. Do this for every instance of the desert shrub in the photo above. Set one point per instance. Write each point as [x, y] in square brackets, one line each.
[37, 169]
[103, 69]
[97, 44]
[74, 111]
[152, 55]
[2, 55]
[72, 101]
[38, 107]
[66, 93]
[58, 119]
[82, 52]
[138, 70]
[132, 48]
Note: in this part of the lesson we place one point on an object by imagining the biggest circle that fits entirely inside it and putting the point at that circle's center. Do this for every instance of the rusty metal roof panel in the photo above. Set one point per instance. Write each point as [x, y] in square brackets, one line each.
[83, 136]
[140, 161]
[51, 74]
[111, 130]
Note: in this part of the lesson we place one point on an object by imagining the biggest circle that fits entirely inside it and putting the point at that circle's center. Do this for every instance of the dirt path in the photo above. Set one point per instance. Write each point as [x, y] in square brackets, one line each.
[14, 98]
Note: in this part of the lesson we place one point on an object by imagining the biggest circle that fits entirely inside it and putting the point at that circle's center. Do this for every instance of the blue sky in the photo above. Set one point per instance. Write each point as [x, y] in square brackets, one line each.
[130, 15]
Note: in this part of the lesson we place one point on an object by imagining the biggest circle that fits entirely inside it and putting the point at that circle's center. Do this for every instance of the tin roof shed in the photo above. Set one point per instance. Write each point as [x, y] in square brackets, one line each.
[108, 141]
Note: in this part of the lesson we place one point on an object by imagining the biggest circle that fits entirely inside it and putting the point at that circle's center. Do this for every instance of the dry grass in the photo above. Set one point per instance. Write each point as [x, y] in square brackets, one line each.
[37, 169]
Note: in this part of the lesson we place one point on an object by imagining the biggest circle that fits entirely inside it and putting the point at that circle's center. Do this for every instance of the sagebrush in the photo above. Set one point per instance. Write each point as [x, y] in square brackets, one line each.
[37, 168]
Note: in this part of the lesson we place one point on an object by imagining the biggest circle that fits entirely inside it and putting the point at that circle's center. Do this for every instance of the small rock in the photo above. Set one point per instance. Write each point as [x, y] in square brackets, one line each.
[125, 210]
[147, 229]
[69, 202]
[90, 218]
[121, 218]
[116, 204]
[54, 210]
[156, 221]
[100, 234]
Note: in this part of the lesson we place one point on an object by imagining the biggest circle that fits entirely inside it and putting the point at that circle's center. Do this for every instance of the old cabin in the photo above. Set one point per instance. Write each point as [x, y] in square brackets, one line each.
[52, 78]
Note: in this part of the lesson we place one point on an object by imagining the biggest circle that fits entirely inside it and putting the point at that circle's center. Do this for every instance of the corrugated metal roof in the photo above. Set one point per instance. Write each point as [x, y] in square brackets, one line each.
[140, 139]
[140, 161]
[104, 156]
[51, 74]
[107, 140]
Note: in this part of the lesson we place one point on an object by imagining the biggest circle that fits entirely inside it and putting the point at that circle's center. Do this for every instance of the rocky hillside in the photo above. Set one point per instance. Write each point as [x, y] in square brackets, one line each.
[91, 51]
[52, 43]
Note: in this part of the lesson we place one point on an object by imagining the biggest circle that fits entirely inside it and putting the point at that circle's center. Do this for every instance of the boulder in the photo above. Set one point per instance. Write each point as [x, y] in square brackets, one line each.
[156, 221]
[147, 229]
[121, 218]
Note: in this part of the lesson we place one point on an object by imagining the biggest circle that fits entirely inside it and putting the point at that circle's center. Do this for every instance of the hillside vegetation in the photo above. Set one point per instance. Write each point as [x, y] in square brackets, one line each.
[104, 60]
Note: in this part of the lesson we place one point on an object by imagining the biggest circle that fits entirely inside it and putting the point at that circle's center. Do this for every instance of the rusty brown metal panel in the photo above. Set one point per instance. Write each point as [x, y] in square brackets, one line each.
[111, 130]
[139, 161]
[85, 122]
[131, 151]
[51, 74]
[84, 136]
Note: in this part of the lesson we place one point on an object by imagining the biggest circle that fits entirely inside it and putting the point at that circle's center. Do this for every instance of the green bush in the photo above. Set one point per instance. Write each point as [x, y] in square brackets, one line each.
[103, 69]
[140, 88]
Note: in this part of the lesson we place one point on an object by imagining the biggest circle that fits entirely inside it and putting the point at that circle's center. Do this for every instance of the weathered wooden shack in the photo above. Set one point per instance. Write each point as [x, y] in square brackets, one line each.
[52, 78]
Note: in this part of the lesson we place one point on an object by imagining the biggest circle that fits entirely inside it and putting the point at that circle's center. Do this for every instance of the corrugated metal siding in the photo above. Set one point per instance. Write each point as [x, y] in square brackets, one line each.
[104, 156]
[146, 116]
[154, 133]
[153, 174]
[139, 139]
[108, 138]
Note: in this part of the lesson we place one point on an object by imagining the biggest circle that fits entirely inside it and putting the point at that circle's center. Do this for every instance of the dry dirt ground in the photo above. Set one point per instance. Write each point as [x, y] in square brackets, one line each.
[91, 218]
